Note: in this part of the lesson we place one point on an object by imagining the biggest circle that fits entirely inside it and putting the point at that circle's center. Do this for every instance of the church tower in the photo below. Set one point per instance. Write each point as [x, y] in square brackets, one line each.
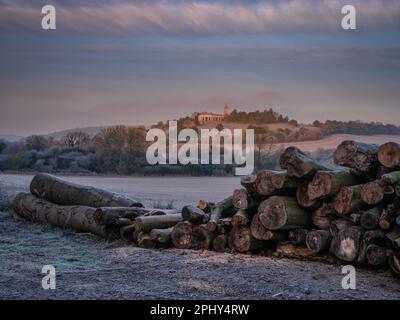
[226, 111]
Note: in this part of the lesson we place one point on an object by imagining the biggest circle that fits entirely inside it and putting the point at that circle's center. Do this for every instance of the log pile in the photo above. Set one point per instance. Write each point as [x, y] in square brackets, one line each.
[347, 213]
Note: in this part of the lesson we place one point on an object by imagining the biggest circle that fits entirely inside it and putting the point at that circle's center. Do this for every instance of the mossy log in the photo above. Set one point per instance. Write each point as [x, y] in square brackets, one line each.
[298, 164]
[327, 184]
[362, 157]
[389, 155]
[282, 213]
[58, 191]
[78, 218]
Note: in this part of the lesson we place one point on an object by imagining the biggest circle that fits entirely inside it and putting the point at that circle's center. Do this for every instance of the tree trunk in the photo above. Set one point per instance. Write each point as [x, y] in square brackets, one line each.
[259, 232]
[346, 245]
[243, 200]
[349, 200]
[318, 240]
[298, 236]
[338, 225]
[374, 192]
[241, 240]
[298, 164]
[146, 224]
[271, 182]
[369, 237]
[282, 213]
[193, 214]
[78, 218]
[144, 241]
[389, 155]
[359, 156]
[304, 201]
[327, 184]
[241, 218]
[182, 235]
[62, 192]
[376, 255]
[220, 243]
[161, 235]
[202, 238]
[370, 218]
[324, 216]
[388, 216]
[217, 213]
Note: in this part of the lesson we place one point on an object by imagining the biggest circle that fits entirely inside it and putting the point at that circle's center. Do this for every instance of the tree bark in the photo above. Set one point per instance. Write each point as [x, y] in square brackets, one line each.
[161, 235]
[217, 213]
[282, 213]
[349, 200]
[146, 224]
[370, 218]
[376, 255]
[62, 192]
[389, 155]
[304, 201]
[182, 235]
[298, 164]
[220, 243]
[241, 240]
[259, 232]
[346, 245]
[78, 218]
[369, 237]
[318, 240]
[202, 238]
[361, 157]
[298, 236]
[327, 184]
[324, 216]
[193, 214]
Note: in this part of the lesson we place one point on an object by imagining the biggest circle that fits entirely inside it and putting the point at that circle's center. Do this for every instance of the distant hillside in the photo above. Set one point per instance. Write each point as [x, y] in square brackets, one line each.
[89, 130]
[9, 137]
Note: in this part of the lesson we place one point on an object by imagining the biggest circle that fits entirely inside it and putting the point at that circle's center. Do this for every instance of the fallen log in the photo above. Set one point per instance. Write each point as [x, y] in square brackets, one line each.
[224, 225]
[202, 238]
[298, 164]
[327, 184]
[369, 237]
[388, 216]
[282, 213]
[324, 216]
[361, 157]
[242, 200]
[217, 212]
[370, 218]
[78, 218]
[206, 206]
[144, 241]
[259, 232]
[346, 244]
[374, 192]
[220, 243]
[241, 218]
[298, 236]
[193, 214]
[303, 199]
[318, 240]
[249, 183]
[161, 235]
[269, 182]
[146, 224]
[389, 155]
[241, 240]
[62, 192]
[349, 200]
[376, 255]
[127, 233]
[182, 235]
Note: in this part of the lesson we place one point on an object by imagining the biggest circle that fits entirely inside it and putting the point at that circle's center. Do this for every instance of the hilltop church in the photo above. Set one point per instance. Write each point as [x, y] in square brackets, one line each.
[204, 117]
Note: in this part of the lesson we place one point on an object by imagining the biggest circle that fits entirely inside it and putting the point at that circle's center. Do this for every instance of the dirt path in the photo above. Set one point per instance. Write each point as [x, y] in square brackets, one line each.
[89, 268]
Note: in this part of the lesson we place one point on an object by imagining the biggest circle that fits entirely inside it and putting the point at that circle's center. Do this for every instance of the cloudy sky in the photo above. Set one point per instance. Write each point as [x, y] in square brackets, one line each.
[137, 62]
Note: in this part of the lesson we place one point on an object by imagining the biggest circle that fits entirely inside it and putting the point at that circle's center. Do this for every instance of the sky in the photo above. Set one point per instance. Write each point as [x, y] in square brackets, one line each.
[138, 62]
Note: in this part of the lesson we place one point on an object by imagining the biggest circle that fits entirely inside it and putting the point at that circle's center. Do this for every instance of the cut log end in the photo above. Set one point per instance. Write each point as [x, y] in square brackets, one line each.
[182, 235]
[389, 155]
